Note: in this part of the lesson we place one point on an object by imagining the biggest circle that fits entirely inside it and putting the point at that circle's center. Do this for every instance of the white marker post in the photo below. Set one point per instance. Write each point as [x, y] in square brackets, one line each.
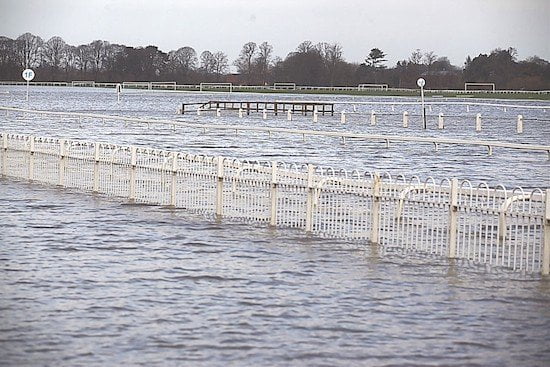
[28, 75]
[118, 91]
[421, 83]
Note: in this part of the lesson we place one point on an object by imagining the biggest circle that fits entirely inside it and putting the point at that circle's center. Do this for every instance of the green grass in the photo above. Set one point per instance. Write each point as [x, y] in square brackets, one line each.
[390, 93]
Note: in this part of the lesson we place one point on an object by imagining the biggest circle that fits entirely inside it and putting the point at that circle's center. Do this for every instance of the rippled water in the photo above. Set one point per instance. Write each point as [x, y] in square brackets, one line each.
[91, 281]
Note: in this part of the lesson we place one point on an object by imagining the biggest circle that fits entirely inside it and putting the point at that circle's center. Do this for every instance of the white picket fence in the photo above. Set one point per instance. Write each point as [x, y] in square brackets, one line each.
[448, 218]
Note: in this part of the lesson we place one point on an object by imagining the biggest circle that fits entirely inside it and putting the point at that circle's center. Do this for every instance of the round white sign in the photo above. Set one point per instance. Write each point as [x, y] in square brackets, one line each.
[421, 82]
[28, 74]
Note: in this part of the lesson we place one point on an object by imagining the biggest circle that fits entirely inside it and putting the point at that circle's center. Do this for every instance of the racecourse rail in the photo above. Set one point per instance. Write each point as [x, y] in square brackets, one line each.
[449, 218]
[197, 87]
[386, 139]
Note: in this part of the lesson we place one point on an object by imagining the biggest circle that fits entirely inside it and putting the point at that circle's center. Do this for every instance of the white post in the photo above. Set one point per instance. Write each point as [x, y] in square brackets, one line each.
[4, 153]
[373, 118]
[467, 108]
[133, 163]
[519, 127]
[240, 113]
[273, 196]
[264, 114]
[310, 197]
[62, 162]
[354, 108]
[27, 99]
[219, 188]
[198, 111]
[453, 218]
[375, 212]
[392, 107]
[440, 122]
[96, 167]
[173, 191]
[289, 115]
[478, 122]
[218, 112]
[31, 157]
[315, 119]
[405, 119]
[545, 269]
[343, 117]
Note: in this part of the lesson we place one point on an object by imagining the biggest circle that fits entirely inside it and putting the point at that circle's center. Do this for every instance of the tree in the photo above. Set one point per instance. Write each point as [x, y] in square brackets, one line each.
[244, 62]
[429, 58]
[220, 64]
[28, 50]
[53, 52]
[331, 54]
[263, 60]
[376, 58]
[416, 57]
[207, 62]
[305, 47]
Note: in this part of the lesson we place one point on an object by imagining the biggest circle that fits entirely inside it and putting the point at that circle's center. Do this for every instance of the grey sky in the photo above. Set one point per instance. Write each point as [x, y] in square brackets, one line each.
[452, 28]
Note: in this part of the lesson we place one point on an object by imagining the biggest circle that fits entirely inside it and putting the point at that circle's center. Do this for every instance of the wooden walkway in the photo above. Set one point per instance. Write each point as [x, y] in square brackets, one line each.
[303, 107]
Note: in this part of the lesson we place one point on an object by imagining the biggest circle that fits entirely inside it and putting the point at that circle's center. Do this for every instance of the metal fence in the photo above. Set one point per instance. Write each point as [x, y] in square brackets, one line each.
[448, 218]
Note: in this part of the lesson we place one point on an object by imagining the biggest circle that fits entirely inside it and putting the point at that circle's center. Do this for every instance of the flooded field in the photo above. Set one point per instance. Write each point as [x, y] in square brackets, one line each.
[90, 281]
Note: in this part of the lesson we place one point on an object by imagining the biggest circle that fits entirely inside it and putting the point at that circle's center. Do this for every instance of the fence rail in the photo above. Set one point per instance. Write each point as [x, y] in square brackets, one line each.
[482, 224]
[382, 138]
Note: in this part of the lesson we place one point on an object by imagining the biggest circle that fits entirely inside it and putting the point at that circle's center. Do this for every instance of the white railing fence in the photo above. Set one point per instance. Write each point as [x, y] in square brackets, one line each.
[448, 218]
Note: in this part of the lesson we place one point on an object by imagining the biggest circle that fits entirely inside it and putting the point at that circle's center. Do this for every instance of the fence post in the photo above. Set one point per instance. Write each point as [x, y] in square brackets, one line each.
[310, 197]
[315, 118]
[343, 117]
[96, 167]
[373, 117]
[453, 218]
[519, 127]
[219, 188]
[174, 180]
[31, 157]
[405, 119]
[273, 194]
[62, 162]
[264, 114]
[133, 162]
[289, 114]
[375, 212]
[478, 122]
[545, 270]
[4, 153]
[441, 123]
[240, 113]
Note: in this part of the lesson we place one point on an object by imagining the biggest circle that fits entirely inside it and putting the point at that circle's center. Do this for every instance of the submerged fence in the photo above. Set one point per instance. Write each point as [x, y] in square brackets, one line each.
[449, 218]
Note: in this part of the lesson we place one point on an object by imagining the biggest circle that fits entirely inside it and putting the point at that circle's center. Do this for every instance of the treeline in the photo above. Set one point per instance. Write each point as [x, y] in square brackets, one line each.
[310, 64]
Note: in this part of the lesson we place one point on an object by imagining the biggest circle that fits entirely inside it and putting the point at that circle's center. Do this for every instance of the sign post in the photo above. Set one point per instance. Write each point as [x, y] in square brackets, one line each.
[28, 75]
[421, 83]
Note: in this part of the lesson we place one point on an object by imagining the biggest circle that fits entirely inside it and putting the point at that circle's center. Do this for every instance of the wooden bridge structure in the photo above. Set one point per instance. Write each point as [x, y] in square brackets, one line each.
[303, 107]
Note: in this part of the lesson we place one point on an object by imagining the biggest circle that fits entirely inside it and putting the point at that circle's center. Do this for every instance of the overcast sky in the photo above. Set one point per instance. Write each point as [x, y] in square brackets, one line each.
[452, 28]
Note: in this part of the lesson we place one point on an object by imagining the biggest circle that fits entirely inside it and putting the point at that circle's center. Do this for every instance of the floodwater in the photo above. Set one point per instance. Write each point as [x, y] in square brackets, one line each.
[91, 281]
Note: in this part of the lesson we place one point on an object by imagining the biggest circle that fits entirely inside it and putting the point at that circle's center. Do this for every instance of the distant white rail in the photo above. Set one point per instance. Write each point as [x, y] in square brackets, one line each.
[449, 218]
[386, 139]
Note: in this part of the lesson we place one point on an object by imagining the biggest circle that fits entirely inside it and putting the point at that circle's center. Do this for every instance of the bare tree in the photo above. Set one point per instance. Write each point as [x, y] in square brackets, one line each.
[183, 59]
[305, 47]
[54, 51]
[207, 62]
[332, 57]
[263, 60]
[28, 50]
[244, 62]
[416, 57]
[220, 64]
[429, 58]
